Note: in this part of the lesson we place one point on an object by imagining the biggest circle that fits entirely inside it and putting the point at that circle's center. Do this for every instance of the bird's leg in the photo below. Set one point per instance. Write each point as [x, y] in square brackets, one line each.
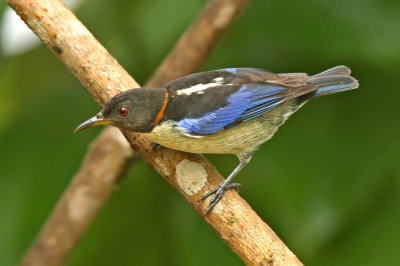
[155, 146]
[244, 159]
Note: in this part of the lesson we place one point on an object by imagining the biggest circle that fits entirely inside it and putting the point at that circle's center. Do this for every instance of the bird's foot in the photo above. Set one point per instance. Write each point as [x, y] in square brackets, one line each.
[154, 146]
[218, 193]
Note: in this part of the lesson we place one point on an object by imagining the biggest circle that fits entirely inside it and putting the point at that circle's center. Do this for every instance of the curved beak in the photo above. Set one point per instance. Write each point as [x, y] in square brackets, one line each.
[96, 120]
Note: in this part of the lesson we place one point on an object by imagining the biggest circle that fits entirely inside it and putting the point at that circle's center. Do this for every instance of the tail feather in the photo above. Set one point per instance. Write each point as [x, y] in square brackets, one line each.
[333, 80]
[334, 71]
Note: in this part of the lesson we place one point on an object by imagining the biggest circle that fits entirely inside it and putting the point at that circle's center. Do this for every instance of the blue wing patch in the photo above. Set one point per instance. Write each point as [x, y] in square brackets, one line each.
[248, 102]
[231, 70]
[264, 98]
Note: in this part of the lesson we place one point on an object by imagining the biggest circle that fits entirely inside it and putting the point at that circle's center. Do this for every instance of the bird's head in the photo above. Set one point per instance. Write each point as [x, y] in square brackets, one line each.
[134, 110]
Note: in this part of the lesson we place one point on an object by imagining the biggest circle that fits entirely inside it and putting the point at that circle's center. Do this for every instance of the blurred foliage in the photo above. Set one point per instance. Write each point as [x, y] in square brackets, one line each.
[328, 182]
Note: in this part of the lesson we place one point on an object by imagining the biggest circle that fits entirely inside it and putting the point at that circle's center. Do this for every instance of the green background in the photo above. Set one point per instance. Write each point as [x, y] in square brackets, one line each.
[327, 183]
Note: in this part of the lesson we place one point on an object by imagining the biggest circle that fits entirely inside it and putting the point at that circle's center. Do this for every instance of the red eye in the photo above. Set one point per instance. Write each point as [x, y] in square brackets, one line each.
[122, 111]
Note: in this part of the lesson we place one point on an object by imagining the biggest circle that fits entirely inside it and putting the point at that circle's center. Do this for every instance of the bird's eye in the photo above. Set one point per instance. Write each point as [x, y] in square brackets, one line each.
[123, 111]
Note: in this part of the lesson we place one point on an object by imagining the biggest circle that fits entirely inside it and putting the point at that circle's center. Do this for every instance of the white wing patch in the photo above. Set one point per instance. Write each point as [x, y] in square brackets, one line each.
[200, 88]
[219, 80]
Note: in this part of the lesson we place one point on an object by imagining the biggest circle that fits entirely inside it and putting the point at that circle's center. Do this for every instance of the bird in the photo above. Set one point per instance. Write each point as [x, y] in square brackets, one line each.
[224, 111]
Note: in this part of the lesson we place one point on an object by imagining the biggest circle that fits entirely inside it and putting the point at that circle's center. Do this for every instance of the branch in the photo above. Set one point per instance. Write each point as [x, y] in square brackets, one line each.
[199, 40]
[82, 200]
[192, 175]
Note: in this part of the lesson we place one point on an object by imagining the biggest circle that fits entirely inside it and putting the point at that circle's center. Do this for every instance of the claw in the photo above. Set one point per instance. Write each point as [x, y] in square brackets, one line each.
[205, 195]
[218, 193]
[154, 146]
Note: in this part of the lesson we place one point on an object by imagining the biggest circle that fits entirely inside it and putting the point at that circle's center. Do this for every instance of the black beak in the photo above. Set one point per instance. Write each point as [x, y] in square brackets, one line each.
[94, 121]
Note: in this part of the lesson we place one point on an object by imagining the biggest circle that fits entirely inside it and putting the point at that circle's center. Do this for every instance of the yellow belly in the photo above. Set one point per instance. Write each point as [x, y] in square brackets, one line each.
[244, 137]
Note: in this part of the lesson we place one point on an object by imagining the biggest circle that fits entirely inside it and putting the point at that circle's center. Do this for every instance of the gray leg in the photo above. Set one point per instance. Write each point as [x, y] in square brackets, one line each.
[155, 146]
[244, 159]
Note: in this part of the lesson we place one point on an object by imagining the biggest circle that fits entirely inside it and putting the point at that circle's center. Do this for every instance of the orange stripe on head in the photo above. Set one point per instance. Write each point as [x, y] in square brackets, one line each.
[161, 112]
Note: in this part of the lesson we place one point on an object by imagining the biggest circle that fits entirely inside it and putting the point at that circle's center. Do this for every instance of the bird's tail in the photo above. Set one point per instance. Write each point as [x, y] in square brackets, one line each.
[333, 80]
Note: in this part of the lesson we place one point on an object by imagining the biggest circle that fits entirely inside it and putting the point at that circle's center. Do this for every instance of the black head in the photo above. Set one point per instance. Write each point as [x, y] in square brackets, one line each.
[134, 110]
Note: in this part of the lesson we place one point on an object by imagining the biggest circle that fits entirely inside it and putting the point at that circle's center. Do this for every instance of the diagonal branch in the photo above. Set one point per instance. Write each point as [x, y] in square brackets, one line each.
[191, 174]
[199, 41]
